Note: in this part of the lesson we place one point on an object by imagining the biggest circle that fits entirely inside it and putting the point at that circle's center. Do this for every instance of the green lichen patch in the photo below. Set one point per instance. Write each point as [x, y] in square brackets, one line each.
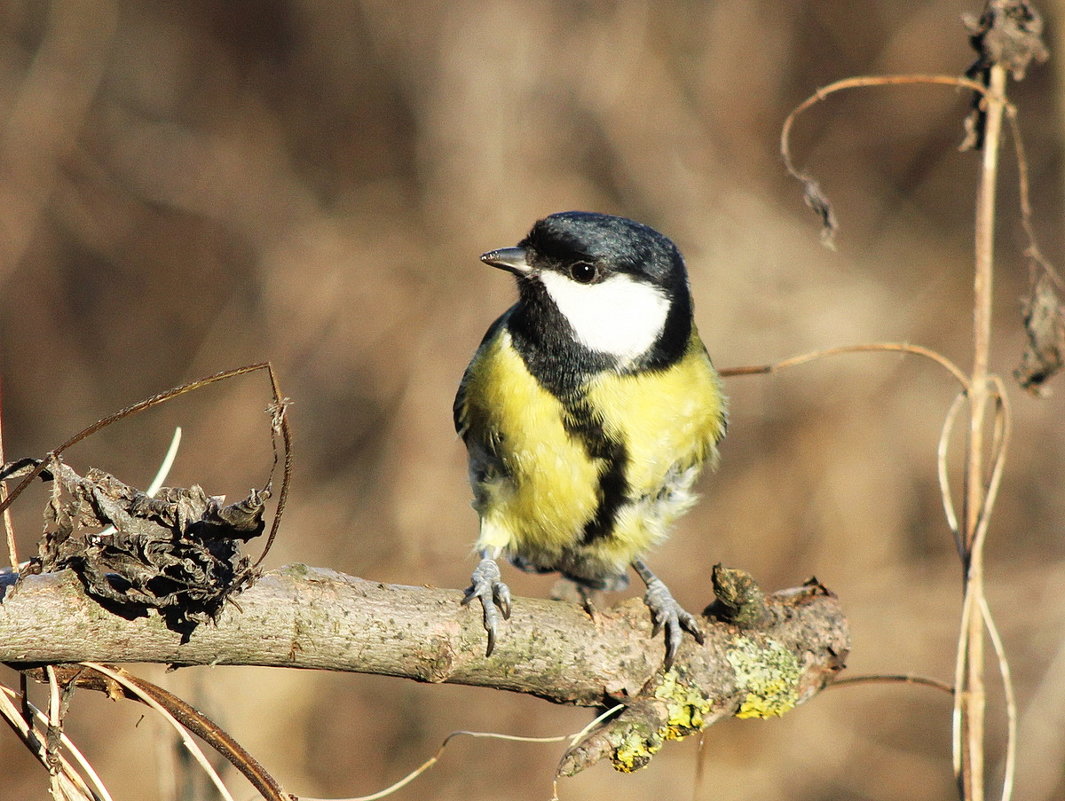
[687, 707]
[635, 749]
[769, 673]
[686, 710]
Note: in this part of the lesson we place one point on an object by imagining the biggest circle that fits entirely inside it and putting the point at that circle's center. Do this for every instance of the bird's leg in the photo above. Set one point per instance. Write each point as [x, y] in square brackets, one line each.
[573, 591]
[487, 586]
[587, 596]
[666, 613]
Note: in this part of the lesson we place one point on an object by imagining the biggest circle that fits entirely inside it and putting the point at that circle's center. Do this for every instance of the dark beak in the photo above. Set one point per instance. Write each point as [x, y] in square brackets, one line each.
[512, 259]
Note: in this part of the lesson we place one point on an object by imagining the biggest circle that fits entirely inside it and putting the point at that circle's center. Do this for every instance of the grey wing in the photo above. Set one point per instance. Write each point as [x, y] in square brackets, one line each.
[458, 410]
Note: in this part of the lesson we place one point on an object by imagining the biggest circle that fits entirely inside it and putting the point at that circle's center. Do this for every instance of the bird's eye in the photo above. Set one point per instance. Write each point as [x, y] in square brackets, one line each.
[583, 272]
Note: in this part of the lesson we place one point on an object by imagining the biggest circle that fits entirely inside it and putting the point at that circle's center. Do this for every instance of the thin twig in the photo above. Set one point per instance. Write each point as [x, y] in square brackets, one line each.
[51, 739]
[895, 678]
[976, 511]
[892, 347]
[160, 474]
[859, 81]
[186, 738]
[1010, 766]
[14, 717]
[192, 720]
[813, 196]
[999, 442]
[1024, 200]
[279, 427]
[9, 528]
[140, 406]
[418, 771]
[167, 463]
[944, 476]
[279, 422]
[99, 788]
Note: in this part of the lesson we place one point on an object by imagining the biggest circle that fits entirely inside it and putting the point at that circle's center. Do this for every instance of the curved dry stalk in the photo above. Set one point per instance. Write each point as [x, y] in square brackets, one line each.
[891, 347]
[860, 81]
[971, 698]
[896, 678]
[1009, 769]
[956, 740]
[9, 528]
[812, 194]
[186, 738]
[278, 424]
[278, 409]
[74, 784]
[191, 720]
[160, 474]
[944, 475]
[99, 788]
[418, 771]
[1024, 200]
[999, 443]
[51, 740]
[167, 463]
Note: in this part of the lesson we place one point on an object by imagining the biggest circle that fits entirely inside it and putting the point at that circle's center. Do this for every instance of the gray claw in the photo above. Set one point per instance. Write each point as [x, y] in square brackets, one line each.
[487, 586]
[667, 614]
[501, 596]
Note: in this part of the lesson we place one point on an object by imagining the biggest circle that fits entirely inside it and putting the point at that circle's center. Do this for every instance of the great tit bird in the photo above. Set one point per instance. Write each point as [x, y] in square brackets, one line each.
[588, 411]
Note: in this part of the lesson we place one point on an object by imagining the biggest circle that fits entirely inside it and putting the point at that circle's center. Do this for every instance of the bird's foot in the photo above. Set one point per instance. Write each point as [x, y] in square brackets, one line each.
[588, 596]
[570, 591]
[487, 586]
[667, 615]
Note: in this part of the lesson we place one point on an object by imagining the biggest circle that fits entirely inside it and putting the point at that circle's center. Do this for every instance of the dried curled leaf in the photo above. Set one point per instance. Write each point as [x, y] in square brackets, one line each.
[818, 202]
[1044, 322]
[178, 552]
[1007, 32]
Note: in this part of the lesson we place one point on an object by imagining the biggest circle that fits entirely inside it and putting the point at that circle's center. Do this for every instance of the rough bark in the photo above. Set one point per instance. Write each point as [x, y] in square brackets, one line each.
[304, 617]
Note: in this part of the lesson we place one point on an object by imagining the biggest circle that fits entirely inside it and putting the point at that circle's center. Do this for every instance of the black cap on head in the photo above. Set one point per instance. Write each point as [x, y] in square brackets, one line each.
[615, 244]
[589, 248]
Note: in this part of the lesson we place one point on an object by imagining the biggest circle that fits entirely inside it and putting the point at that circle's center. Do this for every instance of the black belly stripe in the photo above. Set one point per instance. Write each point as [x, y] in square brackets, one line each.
[581, 422]
[546, 343]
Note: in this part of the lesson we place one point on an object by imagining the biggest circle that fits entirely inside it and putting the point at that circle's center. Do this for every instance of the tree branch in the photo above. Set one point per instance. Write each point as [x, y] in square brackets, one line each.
[304, 617]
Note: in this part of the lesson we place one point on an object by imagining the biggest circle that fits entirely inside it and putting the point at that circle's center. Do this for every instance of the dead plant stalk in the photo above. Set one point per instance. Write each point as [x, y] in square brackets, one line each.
[971, 698]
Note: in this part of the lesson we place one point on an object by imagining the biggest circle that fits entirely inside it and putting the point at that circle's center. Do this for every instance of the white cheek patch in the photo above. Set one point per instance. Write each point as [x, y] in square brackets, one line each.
[620, 316]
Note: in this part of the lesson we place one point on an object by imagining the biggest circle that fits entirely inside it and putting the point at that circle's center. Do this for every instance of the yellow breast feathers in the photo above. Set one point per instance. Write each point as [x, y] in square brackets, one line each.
[540, 467]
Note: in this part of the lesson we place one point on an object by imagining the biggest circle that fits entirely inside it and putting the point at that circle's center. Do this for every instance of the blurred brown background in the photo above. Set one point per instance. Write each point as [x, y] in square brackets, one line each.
[195, 186]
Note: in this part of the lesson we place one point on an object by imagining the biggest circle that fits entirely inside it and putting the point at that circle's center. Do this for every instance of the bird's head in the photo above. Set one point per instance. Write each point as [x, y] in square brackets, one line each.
[617, 283]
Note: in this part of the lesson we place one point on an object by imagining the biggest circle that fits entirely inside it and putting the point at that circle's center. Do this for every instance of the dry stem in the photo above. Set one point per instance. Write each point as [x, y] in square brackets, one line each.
[971, 697]
[9, 529]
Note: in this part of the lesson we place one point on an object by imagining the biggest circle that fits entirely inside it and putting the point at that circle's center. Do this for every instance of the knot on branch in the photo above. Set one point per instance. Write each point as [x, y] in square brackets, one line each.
[739, 598]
